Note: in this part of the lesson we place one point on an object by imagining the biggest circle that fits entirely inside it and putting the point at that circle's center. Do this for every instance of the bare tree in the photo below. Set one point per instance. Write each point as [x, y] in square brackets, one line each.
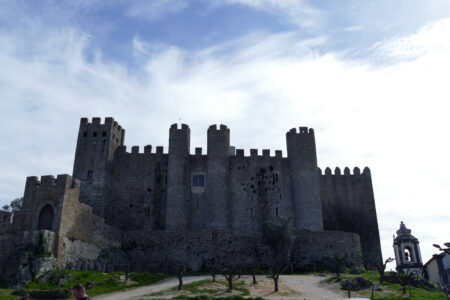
[279, 236]
[446, 250]
[213, 266]
[229, 272]
[382, 267]
[175, 265]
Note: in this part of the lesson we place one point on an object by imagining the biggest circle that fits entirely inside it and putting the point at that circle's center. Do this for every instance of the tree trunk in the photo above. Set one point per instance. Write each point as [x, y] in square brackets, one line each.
[180, 282]
[381, 277]
[230, 283]
[275, 281]
[254, 276]
[404, 290]
[213, 277]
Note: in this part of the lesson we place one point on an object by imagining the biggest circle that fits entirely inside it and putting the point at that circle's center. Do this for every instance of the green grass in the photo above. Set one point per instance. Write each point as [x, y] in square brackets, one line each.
[103, 282]
[390, 291]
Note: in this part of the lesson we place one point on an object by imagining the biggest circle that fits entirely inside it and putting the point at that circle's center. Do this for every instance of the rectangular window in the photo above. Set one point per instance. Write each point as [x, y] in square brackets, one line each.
[90, 175]
[198, 180]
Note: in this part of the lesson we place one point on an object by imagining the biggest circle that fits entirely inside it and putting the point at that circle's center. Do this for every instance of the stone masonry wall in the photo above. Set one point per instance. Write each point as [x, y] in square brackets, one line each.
[348, 205]
[152, 251]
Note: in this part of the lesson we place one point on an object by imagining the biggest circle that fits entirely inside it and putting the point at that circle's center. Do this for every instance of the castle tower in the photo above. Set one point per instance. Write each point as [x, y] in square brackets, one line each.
[95, 150]
[178, 178]
[305, 186]
[407, 251]
[218, 213]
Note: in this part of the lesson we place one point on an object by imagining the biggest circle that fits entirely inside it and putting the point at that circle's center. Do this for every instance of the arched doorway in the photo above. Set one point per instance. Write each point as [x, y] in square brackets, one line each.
[45, 220]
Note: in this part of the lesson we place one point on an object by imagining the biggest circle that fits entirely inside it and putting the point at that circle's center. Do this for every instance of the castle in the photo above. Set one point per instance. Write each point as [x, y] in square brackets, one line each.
[151, 202]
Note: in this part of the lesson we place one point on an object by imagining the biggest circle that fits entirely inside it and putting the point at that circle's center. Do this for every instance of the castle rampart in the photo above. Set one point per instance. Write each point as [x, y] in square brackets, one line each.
[348, 205]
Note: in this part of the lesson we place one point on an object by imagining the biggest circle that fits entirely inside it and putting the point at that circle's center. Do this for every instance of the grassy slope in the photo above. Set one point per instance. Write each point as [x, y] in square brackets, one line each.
[390, 291]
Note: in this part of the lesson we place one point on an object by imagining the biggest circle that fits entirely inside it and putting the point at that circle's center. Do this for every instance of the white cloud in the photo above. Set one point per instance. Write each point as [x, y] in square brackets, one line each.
[156, 9]
[298, 12]
[391, 118]
[430, 38]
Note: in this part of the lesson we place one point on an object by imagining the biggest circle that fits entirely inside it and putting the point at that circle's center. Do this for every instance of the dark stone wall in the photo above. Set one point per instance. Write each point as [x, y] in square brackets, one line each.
[301, 147]
[348, 205]
[96, 145]
[138, 189]
[152, 251]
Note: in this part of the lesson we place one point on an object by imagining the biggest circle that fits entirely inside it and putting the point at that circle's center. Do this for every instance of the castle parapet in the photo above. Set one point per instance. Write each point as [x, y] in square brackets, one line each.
[347, 172]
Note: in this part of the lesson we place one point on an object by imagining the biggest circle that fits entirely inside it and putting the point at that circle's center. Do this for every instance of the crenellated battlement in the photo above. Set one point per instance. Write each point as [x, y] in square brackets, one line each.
[347, 172]
[135, 150]
[96, 121]
[222, 128]
[50, 181]
[183, 128]
[255, 153]
[301, 131]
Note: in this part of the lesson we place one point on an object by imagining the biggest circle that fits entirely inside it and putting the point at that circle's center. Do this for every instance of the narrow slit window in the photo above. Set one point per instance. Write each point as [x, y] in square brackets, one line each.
[276, 211]
[90, 174]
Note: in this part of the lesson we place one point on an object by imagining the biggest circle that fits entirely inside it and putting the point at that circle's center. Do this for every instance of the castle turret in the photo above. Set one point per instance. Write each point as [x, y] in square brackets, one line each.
[301, 148]
[95, 150]
[178, 178]
[218, 214]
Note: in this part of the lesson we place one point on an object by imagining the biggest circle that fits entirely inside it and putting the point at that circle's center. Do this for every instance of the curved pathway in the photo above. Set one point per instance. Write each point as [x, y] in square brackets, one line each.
[307, 286]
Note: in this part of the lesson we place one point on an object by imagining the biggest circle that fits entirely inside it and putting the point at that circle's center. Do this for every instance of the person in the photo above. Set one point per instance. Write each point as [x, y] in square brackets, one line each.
[79, 292]
[25, 296]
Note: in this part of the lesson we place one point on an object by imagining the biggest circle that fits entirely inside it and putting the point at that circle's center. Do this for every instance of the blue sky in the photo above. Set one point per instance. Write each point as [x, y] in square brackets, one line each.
[370, 76]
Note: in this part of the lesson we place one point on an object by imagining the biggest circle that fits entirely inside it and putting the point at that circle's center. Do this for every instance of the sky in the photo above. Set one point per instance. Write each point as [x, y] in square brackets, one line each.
[371, 78]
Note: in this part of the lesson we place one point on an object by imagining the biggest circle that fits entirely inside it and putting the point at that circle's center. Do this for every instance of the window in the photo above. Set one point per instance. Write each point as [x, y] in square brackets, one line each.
[198, 183]
[198, 180]
[94, 134]
[104, 133]
[276, 211]
[85, 134]
[90, 174]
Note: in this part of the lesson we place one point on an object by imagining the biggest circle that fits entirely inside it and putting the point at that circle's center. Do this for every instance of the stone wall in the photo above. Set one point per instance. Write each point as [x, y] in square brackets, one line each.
[5, 221]
[96, 145]
[152, 251]
[20, 251]
[348, 205]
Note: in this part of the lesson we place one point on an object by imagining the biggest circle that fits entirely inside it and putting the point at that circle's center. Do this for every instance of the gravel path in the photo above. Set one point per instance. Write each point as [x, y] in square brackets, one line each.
[307, 286]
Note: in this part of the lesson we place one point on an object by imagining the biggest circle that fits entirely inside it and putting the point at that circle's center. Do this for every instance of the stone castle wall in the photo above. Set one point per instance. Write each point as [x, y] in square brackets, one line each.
[152, 251]
[348, 205]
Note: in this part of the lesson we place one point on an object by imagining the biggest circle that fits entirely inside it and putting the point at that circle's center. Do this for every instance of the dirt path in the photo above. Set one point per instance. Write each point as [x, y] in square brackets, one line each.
[291, 287]
[309, 288]
[145, 290]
